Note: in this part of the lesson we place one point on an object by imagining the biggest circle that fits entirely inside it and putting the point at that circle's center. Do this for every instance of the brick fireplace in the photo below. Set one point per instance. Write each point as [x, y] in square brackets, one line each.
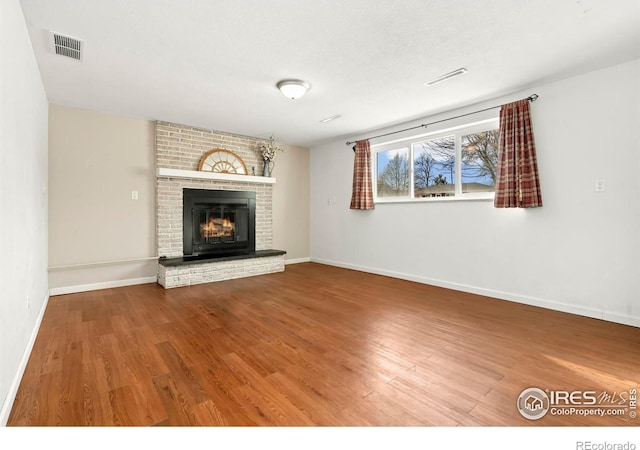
[179, 149]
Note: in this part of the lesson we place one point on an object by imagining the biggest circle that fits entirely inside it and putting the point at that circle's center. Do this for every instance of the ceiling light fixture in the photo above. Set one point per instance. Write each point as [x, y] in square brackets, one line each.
[446, 76]
[329, 119]
[293, 89]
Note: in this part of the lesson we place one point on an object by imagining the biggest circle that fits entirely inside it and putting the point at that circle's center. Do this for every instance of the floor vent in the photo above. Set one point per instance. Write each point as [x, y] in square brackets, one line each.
[67, 46]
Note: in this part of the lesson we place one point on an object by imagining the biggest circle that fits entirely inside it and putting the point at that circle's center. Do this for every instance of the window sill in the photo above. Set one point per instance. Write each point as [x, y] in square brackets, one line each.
[465, 198]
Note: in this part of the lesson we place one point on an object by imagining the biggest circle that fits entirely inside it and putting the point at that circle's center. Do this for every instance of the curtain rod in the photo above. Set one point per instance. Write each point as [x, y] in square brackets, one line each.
[531, 98]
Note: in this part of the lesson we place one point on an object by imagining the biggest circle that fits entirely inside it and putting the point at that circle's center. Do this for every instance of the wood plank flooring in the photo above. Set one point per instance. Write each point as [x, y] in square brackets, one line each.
[312, 346]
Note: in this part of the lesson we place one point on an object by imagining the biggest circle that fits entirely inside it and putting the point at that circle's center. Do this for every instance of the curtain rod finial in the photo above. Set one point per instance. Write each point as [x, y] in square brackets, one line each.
[533, 98]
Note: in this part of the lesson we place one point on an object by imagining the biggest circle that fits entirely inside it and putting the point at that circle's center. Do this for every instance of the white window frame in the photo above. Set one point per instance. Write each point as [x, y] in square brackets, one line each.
[410, 142]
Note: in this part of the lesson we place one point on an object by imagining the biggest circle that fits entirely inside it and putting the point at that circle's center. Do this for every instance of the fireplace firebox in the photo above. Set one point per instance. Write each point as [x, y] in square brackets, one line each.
[218, 222]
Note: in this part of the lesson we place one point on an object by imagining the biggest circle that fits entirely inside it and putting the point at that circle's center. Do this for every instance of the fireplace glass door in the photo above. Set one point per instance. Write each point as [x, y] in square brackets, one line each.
[218, 222]
[220, 225]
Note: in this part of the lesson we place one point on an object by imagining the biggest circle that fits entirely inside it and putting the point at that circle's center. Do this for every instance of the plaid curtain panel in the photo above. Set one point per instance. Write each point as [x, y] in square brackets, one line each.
[362, 193]
[517, 183]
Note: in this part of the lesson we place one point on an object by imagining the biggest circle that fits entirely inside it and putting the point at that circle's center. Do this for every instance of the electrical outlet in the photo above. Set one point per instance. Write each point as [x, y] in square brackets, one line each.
[600, 186]
[134, 195]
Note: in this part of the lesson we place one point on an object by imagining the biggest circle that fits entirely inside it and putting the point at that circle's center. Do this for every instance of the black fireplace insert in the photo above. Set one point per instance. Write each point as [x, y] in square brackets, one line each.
[218, 222]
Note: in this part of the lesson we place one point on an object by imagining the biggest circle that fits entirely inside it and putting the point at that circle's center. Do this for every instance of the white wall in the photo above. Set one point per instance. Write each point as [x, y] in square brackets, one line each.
[579, 253]
[291, 204]
[23, 200]
[95, 161]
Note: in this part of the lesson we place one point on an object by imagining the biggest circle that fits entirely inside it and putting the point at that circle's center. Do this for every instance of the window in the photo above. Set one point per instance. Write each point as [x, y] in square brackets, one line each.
[434, 165]
[394, 173]
[458, 164]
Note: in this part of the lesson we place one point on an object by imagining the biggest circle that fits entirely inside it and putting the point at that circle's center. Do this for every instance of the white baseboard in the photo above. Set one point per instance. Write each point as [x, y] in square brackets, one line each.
[296, 261]
[97, 286]
[526, 300]
[13, 389]
[129, 282]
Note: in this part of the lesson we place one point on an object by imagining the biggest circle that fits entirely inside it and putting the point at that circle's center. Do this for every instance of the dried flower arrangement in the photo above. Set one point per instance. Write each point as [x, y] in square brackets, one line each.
[268, 149]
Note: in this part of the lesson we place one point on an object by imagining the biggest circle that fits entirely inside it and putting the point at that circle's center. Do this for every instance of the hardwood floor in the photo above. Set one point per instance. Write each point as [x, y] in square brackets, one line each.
[315, 345]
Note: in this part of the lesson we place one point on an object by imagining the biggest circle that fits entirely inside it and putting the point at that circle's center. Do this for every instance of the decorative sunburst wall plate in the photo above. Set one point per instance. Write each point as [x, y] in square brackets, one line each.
[222, 161]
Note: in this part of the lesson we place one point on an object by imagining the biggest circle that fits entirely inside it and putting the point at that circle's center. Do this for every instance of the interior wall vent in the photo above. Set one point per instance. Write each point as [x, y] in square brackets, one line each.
[67, 46]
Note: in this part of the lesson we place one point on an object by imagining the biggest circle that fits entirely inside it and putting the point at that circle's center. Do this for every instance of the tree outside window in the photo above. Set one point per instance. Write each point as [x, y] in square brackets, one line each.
[393, 173]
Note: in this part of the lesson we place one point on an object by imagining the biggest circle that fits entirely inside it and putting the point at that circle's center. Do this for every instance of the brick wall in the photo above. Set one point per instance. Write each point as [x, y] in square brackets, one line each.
[182, 147]
[180, 276]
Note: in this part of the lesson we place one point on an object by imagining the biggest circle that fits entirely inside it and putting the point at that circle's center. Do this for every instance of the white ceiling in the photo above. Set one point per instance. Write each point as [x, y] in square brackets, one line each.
[215, 63]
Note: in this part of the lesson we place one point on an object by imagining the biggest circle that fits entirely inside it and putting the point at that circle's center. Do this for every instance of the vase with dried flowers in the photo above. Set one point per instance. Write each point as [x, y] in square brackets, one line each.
[267, 150]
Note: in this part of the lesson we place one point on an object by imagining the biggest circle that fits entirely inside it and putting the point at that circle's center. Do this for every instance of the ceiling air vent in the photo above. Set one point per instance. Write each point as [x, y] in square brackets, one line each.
[67, 46]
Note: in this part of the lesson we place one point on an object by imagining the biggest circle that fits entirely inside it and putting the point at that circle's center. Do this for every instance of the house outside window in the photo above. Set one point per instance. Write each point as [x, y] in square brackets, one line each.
[454, 164]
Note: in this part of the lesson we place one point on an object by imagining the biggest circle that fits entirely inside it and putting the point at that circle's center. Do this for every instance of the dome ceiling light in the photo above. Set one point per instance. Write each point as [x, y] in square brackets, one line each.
[293, 89]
